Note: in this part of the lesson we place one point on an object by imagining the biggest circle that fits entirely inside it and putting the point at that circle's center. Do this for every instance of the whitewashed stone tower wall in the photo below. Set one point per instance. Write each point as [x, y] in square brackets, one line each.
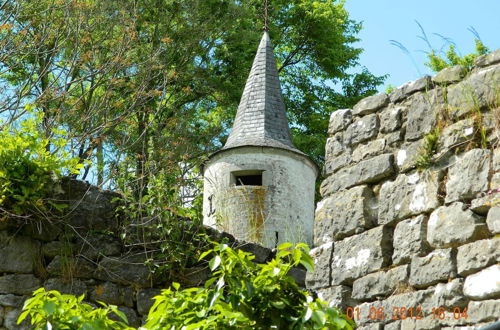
[259, 187]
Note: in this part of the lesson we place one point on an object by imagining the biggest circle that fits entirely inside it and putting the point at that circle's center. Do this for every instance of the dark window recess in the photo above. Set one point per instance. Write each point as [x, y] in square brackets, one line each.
[249, 180]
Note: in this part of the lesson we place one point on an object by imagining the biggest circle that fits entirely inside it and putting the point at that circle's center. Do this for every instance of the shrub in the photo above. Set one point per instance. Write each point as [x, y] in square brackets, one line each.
[239, 295]
[28, 170]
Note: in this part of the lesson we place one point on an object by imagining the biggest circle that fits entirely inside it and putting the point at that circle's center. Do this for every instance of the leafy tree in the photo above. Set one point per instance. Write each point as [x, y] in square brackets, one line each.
[239, 295]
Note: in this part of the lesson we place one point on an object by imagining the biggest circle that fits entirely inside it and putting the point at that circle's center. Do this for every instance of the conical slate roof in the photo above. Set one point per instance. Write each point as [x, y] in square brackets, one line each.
[261, 118]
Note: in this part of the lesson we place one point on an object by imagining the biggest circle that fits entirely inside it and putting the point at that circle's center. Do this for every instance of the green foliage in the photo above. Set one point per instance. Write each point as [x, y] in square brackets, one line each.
[53, 310]
[438, 62]
[390, 88]
[28, 170]
[239, 295]
[424, 159]
[244, 295]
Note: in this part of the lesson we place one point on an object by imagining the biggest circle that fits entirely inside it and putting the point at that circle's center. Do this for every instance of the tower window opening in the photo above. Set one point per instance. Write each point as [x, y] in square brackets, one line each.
[248, 180]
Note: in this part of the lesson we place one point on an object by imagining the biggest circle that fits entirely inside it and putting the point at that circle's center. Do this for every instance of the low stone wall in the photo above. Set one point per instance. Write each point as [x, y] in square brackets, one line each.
[407, 232]
[80, 254]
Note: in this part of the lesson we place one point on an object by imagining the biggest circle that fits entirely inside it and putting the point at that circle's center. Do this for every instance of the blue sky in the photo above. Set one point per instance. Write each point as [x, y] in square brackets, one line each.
[385, 20]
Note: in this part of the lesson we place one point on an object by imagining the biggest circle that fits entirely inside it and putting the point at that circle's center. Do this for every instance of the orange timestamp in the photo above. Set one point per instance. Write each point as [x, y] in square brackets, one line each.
[403, 313]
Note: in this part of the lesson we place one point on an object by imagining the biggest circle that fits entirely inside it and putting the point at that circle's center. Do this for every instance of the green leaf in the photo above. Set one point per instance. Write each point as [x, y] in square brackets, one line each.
[214, 262]
[284, 246]
[49, 307]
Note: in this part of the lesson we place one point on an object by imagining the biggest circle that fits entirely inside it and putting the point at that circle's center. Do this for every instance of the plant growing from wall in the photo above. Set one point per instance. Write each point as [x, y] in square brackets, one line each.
[428, 150]
[239, 295]
[28, 170]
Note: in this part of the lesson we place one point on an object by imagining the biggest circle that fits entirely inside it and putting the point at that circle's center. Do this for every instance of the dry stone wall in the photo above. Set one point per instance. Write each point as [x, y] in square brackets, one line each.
[81, 254]
[407, 233]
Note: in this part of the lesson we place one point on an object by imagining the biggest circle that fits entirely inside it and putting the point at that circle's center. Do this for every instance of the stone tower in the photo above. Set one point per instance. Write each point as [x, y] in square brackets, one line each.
[259, 187]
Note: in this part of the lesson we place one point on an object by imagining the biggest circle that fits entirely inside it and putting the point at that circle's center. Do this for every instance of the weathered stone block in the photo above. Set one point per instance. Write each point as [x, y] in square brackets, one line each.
[478, 90]
[478, 255]
[370, 104]
[493, 220]
[410, 239]
[438, 266]
[321, 277]
[488, 59]
[450, 75]
[496, 159]
[456, 133]
[483, 204]
[145, 300]
[20, 284]
[76, 267]
[395, 138]
[52, 249]
[407, 156]
[400, 93]
[450, 294]
[97, 245]
[362, 129]
[339, 120]
[372, 148]
[408, 195]
[339, 296]
[131, 315]
[379, 284]
[124, 270]
[421, 114]
[483, 311]
[10, 320]
[336, 145]
[74, 286]
[333, 164]
[113, 294]
[390, 119]
[343, 213]
[17, 253]
[10, 300]
[452, 226]
[359, 255]
[367, 171]
[469, 175]
[483, 285]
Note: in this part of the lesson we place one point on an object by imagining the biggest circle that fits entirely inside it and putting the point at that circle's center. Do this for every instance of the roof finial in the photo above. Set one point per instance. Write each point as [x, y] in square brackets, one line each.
[266, 15]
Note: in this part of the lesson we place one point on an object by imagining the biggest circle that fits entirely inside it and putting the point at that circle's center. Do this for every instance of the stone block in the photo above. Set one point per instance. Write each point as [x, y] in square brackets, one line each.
[456, 133]
[391, 119]
[338, 296]
[493, 220]
[97, 245]
[421, 114]
[333, 164]
[363, 129]
[400, 93]
[408, 154]
[130, 313]
[370, 149]
[379, 284]
[344, 213]
[339, 120]
[359, 255]
[336, 145]
[438, 266]
[17, 253]
[450, 75]
[496, 160]
[408, 195]
[478, 91]
[10, 320]
[495, 182]
[113, 294]
[488, 59]
[368, 171]
[484, 284]
[70, 266]
[370, 104]
[410, 240]
[483, 204]
[145, 300]
[124, 270]
[450, 294]
[395, 138]
[54, 248]
[469, 176]
[19, 284]
[10, 300]
[484, 311]
[452, 226]
[478, 255]
[73, 286]
[321, 277]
